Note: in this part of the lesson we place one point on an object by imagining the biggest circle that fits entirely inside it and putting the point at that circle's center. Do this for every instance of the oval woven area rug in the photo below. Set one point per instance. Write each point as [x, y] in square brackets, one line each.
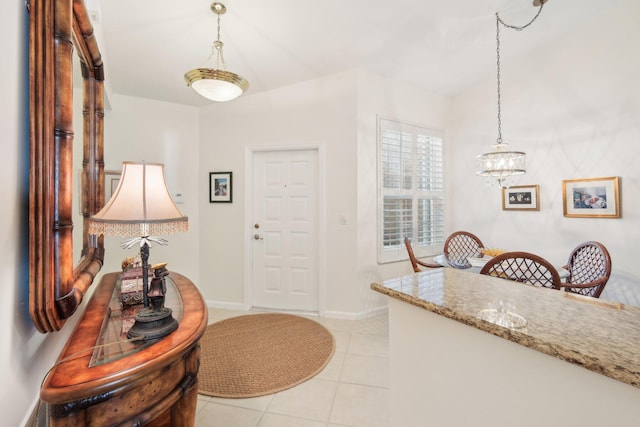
[258, 354]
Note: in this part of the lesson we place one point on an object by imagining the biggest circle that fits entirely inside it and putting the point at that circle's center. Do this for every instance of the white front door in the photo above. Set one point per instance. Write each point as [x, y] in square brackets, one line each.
[284, 229]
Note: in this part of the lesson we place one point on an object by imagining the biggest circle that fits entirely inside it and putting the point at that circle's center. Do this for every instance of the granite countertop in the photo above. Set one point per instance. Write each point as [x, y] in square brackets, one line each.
[601, 336]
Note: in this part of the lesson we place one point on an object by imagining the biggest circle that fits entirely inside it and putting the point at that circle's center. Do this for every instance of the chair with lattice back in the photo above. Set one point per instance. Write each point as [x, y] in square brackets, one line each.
[461, 245]
[523, 267]
[589, 269]
[415, 262]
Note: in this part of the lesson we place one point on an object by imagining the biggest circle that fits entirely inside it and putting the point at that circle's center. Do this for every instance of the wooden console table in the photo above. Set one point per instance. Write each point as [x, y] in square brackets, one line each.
[101, 379]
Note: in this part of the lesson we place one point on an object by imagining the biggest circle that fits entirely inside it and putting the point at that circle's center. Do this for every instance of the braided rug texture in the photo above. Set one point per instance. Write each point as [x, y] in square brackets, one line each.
[258, 354]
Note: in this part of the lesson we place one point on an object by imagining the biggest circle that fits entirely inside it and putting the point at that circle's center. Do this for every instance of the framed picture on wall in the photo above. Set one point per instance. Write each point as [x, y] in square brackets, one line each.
[111, 182]
[521, 198]
[591, 197]
[220, 187]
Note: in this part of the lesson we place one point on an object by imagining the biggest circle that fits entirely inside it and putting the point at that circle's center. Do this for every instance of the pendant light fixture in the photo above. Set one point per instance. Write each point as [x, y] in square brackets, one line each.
[217, 84]
[501, 163]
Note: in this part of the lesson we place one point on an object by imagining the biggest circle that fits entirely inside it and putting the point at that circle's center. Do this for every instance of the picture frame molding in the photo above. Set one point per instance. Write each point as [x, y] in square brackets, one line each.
[533, 206]
[612, 186]
[111, 182]
[220, 198]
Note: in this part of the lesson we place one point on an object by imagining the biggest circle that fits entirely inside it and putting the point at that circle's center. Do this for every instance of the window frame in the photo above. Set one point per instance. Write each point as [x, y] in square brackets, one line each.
[398, 252]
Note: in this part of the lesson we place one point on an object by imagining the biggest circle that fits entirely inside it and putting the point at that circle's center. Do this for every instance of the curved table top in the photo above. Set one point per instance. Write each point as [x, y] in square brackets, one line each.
[598, 335]
[75, 376]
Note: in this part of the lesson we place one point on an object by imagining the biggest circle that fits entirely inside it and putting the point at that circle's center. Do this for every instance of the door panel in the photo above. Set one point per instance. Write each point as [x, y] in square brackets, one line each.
[285, 242]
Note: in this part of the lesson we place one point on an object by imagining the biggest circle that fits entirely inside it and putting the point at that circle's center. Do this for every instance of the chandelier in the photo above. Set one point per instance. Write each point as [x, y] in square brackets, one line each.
[217, 84]
[501, 163]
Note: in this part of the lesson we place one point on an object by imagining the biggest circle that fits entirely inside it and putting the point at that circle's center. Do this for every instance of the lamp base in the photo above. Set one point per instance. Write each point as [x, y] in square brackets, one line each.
[153, 324]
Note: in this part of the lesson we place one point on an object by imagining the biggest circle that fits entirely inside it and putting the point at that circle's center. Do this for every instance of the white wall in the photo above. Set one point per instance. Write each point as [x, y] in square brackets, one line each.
[574, 108]
[25, 354]
[339, 114]
[378, 97]
[139, 129]
[135, 129]
[316, 113]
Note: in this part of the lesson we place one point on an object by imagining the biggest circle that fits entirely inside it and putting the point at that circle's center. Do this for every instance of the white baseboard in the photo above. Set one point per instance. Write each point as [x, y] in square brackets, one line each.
[226, 305]
[356, 316]
[328, 313]
[31, 418]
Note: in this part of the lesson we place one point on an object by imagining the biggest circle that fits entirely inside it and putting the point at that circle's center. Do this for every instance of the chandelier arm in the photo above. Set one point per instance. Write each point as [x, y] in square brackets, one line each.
[213, 52]
[221, 60]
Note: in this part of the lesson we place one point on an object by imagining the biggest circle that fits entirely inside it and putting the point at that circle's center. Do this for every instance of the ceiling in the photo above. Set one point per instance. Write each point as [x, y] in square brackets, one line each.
[443, 46]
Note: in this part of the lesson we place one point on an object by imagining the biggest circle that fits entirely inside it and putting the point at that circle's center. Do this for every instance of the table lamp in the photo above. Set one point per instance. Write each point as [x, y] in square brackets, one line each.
[142, 207]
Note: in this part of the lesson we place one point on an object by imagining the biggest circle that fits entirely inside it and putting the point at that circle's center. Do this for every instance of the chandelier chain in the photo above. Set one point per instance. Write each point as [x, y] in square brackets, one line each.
[517, 28]
[499, 139]
[218, 34]
[218, 46]
[499, 22]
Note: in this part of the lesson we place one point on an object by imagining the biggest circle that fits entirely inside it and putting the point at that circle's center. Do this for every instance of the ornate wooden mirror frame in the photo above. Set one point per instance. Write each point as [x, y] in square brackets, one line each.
[56, 287]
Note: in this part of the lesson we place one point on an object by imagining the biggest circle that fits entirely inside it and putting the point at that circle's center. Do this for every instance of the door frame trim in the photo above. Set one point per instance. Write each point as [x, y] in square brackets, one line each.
[250, 152]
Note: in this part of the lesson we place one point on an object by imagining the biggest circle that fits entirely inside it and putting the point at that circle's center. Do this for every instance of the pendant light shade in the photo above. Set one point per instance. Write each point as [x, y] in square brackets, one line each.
[216, 84]
[501, 164]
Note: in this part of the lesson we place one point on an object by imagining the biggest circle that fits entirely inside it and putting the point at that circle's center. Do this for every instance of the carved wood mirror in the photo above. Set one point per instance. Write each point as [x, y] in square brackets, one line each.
[56, 286]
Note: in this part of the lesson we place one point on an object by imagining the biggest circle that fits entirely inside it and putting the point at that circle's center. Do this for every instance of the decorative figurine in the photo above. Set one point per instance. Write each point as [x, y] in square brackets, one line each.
[154, 321]
[158, 286]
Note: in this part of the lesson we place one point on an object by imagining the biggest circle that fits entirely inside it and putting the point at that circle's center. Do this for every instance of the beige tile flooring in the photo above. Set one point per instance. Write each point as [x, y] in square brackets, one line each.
[352, 390]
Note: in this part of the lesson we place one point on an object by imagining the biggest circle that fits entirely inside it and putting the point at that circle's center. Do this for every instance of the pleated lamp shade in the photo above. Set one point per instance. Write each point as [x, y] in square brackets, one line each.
[140, 206]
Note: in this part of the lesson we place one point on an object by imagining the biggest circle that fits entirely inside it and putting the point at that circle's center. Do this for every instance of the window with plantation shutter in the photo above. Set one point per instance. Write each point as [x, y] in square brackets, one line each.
[411, 190]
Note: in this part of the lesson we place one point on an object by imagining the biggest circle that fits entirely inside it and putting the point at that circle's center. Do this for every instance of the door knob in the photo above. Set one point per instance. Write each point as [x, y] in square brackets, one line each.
[257, 237]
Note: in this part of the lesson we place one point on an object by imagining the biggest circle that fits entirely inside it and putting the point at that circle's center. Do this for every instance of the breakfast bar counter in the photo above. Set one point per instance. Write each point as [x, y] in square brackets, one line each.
[469, 349]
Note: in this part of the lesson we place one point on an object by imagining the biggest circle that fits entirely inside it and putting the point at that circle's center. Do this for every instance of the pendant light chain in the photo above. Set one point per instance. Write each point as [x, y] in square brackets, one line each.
[498, 22]
[499, 139]
[501, 164]
[218, 46]
[514, 27]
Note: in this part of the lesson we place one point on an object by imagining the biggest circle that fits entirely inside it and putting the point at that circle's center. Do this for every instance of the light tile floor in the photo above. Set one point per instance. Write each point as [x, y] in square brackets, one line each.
[352, 390]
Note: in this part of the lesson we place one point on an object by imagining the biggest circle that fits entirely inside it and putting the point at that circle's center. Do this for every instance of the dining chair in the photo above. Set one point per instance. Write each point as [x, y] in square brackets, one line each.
[589, 269]
[415, 262]
[461, 245]
[523, 267]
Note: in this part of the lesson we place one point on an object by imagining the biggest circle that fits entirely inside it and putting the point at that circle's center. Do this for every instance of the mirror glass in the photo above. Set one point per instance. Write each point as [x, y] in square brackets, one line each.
[78, 232]
[79, 237]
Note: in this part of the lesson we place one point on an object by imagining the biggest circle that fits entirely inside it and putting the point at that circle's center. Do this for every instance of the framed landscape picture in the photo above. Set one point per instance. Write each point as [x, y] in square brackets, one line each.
[521, 198]
[220, 187]
[591, 197]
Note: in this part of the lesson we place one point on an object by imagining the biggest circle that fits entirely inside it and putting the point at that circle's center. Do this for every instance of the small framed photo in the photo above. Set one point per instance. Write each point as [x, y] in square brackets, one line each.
[591, 197]
[521, 198]
[220, 187]
[111, 182]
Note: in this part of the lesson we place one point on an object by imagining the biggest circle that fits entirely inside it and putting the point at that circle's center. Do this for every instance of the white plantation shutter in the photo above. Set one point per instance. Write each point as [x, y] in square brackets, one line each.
[411, 189]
